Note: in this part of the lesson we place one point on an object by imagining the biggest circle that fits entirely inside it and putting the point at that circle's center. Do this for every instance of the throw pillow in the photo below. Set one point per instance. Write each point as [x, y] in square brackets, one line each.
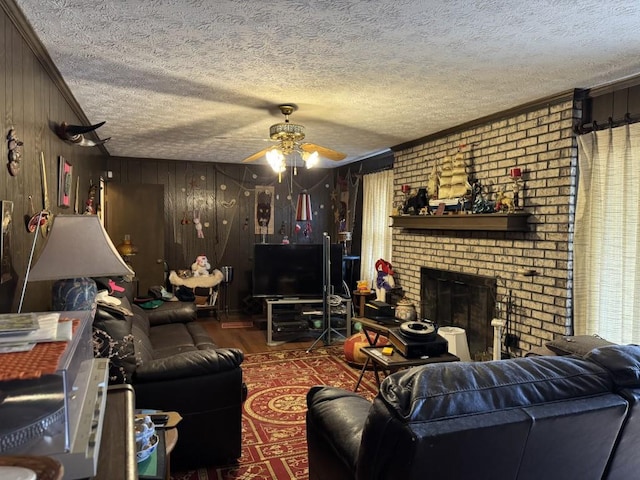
[112, 339]
[577, 345]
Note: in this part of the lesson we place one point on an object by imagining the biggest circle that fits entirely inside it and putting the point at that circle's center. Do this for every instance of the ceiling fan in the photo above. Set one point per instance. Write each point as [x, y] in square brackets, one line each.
[289, 135]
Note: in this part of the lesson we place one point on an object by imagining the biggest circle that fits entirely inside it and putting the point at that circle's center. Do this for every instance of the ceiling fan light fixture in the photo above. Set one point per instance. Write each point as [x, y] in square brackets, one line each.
[289, 135]
[286, 131]
[310, 159]
[276, 160]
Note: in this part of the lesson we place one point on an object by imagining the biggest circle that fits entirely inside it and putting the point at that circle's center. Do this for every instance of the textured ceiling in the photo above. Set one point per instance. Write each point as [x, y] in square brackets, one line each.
[200, 80]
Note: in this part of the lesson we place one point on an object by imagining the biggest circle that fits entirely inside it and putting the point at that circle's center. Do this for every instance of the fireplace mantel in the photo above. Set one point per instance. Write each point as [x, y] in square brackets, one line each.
[501, 222]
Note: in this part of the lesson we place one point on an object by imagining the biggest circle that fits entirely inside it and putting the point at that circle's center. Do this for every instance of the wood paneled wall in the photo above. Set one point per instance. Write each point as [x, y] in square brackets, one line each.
[225, 195]
[33, 102]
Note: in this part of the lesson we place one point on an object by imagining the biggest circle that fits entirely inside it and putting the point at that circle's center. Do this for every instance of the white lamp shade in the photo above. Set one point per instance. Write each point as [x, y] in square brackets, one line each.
[78, 246]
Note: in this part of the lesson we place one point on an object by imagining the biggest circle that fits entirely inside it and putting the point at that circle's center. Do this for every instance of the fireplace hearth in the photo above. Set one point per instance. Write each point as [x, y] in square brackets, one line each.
[460, 300]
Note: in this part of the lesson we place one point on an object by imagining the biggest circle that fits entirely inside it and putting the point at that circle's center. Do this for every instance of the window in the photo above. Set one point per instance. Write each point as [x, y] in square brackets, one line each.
[607, 235]
[377, 193]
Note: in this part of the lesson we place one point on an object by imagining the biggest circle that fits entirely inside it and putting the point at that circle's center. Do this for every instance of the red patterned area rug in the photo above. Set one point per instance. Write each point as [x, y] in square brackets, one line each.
[274, 436]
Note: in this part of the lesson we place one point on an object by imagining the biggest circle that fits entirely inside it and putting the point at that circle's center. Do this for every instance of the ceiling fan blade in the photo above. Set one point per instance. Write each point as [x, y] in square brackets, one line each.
[323, 151]
[257, 155]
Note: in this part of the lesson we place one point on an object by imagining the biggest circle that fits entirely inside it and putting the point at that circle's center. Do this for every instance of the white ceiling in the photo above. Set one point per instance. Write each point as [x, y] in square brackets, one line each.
[201, 79]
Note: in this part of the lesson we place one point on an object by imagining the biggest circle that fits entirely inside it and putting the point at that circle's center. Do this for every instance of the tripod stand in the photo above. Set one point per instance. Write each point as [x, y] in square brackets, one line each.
[326, 294]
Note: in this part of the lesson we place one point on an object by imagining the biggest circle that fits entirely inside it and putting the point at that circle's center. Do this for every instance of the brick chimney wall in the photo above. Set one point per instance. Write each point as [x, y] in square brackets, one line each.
[540, 141]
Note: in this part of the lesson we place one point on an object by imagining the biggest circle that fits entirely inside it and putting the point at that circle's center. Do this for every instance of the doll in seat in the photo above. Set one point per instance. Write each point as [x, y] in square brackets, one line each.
[201, 266]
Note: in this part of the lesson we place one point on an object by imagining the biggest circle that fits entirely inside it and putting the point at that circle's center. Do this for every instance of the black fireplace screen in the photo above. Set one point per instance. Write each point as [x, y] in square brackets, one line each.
[460, 300]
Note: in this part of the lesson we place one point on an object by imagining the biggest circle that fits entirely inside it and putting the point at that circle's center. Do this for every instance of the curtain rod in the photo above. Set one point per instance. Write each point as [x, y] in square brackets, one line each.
[582, 128]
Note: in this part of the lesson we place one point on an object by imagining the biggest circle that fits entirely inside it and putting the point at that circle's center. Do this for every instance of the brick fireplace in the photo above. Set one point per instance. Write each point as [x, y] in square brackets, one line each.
[538, 139]
[457, 299]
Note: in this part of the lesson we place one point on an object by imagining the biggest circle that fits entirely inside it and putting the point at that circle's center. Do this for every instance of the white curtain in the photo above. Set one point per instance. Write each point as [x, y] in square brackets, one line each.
[606, 239]
[377, 193]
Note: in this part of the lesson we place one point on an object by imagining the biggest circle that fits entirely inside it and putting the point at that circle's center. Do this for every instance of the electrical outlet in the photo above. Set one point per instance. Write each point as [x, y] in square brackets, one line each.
[511, 340]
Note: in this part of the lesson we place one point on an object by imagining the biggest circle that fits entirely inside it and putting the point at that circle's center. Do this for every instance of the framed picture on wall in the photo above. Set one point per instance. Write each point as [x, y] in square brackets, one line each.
[65, 170]
[264, 210]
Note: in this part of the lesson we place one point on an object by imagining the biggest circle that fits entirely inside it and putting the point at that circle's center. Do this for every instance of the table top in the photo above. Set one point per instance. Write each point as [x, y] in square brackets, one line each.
[396, 360]
[170, 438]
[365, 293]
[374, 326]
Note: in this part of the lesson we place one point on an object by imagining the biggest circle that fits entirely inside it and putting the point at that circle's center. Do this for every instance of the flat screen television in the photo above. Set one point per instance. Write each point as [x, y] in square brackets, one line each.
[294, 270]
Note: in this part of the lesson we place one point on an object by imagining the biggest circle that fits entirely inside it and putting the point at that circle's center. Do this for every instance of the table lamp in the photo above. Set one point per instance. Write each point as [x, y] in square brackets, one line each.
[78, 248]
[127, 249]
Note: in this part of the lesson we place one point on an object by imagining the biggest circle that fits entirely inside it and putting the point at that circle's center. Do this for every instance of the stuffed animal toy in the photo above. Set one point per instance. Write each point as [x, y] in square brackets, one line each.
[201, 266]
[385, 281]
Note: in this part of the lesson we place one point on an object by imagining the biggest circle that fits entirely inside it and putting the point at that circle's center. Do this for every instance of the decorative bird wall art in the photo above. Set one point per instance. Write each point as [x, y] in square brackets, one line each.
[74, 134]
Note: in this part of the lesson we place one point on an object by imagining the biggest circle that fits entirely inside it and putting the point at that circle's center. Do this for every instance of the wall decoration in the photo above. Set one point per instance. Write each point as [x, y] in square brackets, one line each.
[264, 210]
[197, 223]
[91, 205]
[101, 199]
[65, 170]
[6, 211]
[76, 202]
[45, 216]
[74, 134]
[13, 145]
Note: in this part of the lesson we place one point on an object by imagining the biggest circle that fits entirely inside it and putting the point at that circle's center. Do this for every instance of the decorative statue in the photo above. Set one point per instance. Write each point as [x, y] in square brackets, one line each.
[415, 204]
[480, 204]
[385, 281]
[504, 203]
[201, 266]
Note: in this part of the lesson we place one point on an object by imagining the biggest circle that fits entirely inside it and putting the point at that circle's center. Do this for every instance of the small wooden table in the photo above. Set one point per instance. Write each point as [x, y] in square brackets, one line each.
[170, 434]
[395, 361]
[372, 330]
[170, 440]
[362, 299]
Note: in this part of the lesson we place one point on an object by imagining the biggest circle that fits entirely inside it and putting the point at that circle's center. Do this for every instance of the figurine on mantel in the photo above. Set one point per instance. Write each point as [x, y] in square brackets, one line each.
[416, 204]
[504, 203]
[384, 281]
[480, 203]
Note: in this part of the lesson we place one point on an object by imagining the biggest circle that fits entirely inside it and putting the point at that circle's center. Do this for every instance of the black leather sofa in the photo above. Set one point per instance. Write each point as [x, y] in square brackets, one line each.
[174, 365]
[560, 417]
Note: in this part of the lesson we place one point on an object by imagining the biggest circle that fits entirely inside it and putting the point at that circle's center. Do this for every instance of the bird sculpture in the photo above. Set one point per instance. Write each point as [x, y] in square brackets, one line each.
[74, 134]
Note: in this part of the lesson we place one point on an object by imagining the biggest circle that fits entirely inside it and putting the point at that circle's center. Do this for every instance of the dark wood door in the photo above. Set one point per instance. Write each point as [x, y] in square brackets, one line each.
[138, 210]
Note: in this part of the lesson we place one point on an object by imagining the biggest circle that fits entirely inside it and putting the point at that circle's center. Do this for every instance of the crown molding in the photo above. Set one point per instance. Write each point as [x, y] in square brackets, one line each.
[527, 107]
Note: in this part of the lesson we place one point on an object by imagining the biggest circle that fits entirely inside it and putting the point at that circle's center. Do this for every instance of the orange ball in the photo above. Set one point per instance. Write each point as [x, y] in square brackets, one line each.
[355, 342]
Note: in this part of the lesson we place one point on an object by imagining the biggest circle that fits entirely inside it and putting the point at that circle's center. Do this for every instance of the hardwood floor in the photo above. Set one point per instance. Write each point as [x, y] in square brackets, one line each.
[249, 340]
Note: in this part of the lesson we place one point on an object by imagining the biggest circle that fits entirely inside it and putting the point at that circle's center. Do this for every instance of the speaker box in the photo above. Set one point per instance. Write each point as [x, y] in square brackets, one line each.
[409, 347]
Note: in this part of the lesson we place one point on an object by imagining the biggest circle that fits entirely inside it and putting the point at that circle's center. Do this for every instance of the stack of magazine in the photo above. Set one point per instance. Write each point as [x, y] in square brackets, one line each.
[19, 332]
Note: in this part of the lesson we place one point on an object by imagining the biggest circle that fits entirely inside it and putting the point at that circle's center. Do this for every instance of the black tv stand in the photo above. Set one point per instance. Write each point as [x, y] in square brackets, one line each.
[278, 303]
